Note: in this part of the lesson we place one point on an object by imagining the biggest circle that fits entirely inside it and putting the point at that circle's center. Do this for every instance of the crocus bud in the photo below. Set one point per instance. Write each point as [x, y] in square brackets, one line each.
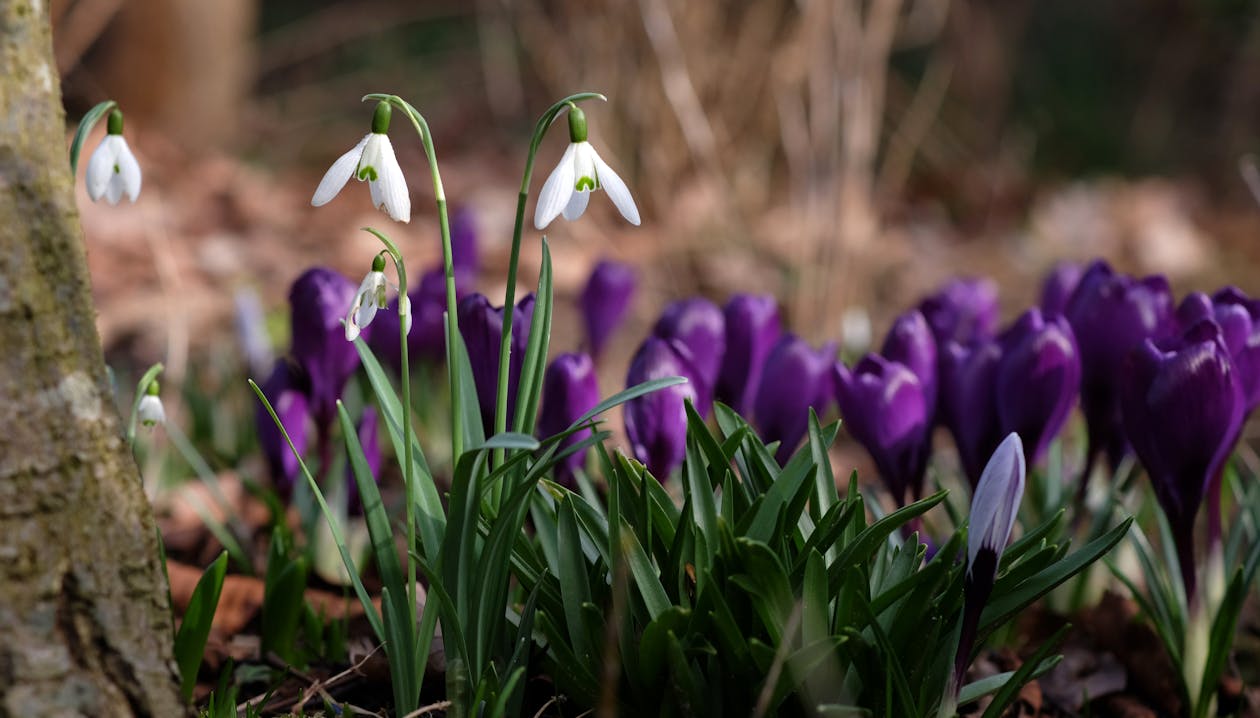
[968, 403]
[884, 409]
[795, 378]
[911, 343]
[605, 301]
[1038, 379]
[369, 441]
[752, 330]
[964, 310]
[1058, 286]
[994, 505]
[698, 326]
[464, 253]
[427, 339]
[1111, 314]
[481, 326]
[318, 300]
[570, 389]
[1239, 319]
[656, 423]
[286, 388]
[1182, 405]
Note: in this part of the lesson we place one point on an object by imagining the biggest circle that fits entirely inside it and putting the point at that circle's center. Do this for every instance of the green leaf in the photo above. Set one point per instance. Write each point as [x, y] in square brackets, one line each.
[572, 575]
[283, 600]
[507, 440]
[1002, 608]
[190, 641]
[860, 549]
[431, 518]
[1038, 665]
[534, 364]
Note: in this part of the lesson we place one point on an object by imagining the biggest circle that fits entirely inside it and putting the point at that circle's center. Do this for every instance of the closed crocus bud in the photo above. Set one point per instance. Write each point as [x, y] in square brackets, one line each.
[911, 343]
[656, 423]
[968, 402]
[994, 505]
[795, 378]
[570, 389]
[1111, 314]
[1182, 405]
[697, 324]
[964, 310]
[605, 301]
[1239, 319]
[752, 330]
[884, 409]
[465, 255]
[1058, 286]
[369, 441]
[481, 326]
[1038, 379]
[427, 339]
[318, 301]
[286, 389]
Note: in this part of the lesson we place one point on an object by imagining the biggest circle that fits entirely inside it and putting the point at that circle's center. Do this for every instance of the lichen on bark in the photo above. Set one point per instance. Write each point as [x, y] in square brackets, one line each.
[85, 626]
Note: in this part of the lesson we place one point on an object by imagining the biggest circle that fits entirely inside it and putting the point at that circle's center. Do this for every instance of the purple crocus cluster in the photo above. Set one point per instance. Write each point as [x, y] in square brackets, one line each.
[305, 385]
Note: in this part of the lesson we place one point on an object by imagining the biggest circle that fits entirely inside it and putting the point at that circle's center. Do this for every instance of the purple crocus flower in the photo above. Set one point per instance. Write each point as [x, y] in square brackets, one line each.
[795, 378]
[968, 403]
[1182, 404]
[911, 343]
[698, 326]
[605, 301]
[1058, 286]
[964, 310]
[884, 409]
[427, 339]
[656, 423]
[369, 441]
[1239, 319]
[1111, 314]
[570, 389]
[752, 330]
[481, 326]
[1038, 379]
[286, 388]
[319, 300]
[465, 256]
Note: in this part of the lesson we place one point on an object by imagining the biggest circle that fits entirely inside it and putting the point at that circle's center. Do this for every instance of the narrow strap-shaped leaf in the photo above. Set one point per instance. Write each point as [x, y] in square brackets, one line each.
[190, 641]
[534, 365]
[89, 121]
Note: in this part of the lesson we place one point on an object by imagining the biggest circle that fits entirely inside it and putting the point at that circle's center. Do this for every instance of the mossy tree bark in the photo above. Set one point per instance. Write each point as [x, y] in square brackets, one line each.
[85, 626]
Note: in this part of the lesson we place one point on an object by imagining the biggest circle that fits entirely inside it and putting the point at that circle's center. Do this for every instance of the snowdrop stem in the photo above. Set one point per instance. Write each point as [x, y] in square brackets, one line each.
[142, 388]
[448, 266]
[89, 121]
[409, 474]
[509, 298]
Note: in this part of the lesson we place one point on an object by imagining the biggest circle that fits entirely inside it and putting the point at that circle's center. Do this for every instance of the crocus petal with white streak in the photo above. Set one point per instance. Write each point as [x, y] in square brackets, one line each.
[996, 500]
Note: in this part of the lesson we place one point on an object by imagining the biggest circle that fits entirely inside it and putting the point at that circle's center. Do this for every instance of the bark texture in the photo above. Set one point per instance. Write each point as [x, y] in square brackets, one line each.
[85, 626]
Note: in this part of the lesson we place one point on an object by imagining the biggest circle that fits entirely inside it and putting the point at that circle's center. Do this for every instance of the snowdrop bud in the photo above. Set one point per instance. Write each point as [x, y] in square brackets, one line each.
[150, 412]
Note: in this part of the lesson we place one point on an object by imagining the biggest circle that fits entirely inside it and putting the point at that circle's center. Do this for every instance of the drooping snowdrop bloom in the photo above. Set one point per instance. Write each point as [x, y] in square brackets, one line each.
[113, 170]
[568, 188]
[371, 297]
[371, 161]
[150, 411]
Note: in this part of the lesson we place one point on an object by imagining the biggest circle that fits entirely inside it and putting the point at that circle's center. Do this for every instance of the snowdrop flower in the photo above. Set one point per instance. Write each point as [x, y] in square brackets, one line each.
[371, 297]
[113, 169]
[373, 161]
[580, 172]
[150, 411]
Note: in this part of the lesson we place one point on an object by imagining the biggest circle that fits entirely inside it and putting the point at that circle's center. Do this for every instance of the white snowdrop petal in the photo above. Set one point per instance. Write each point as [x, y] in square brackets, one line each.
[404, 307]
[378, 197]
[128, 170]
[337, 175]
[150, 411]
[577, 205]
[114, 190]
[100, 168]
[392, 184]
[555, 191]
[617, 190]
[366, 313]
[352, 317]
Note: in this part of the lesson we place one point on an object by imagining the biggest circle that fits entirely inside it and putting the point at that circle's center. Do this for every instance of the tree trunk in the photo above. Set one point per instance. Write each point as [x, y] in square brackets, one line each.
[85, 625]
